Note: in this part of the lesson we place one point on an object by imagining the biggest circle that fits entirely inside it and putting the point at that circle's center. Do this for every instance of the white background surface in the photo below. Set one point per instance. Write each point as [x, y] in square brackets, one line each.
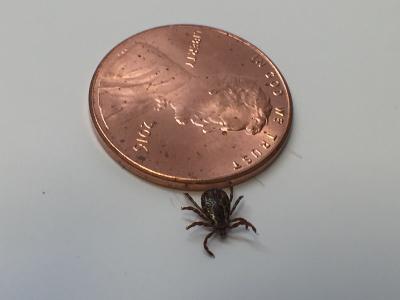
[74, 225]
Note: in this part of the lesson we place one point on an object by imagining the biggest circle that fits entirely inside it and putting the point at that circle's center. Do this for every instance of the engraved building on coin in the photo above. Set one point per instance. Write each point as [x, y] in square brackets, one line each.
[190, 107]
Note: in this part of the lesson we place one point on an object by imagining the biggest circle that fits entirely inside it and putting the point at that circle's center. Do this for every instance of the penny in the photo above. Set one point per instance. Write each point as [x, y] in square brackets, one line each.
[190, 107]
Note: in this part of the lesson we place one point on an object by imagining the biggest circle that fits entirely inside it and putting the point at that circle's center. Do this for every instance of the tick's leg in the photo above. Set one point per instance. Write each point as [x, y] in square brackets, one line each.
[231, 195]
[195, 205]
[238, 224]
[236, 204]
[205, 243]
[192, 200]
[198, 224]
[194, 210]
[244, 222]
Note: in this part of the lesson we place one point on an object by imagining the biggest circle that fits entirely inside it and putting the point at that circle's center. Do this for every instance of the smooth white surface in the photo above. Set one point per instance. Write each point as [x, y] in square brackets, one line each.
[74, 225]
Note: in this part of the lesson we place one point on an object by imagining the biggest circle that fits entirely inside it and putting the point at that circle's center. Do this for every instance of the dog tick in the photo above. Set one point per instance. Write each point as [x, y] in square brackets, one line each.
[216, 213]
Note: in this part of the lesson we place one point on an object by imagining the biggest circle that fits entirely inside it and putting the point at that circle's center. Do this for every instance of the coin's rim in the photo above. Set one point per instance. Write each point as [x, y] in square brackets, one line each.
[182, 183]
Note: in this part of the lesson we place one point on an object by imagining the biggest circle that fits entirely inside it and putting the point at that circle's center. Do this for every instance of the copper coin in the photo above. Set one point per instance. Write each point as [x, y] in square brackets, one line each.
[190, 107]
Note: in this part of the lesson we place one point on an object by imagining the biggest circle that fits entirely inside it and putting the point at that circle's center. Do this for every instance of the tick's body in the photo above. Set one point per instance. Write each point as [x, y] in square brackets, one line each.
[216, 212]
[216, 206]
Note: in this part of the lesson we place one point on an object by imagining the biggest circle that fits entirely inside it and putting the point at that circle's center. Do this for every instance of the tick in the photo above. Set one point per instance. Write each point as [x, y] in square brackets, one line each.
[216, 213]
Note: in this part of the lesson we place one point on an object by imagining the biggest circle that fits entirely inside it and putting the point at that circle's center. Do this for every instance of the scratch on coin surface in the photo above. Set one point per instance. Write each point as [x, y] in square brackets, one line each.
[114, 113]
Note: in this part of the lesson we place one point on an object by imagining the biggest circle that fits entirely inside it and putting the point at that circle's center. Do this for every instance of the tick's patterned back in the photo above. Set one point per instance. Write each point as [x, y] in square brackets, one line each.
[216, 206]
